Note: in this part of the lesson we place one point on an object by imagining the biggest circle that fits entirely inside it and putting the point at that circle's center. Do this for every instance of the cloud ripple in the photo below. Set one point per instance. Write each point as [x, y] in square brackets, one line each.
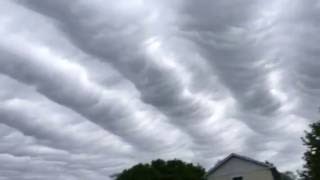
[88, 89]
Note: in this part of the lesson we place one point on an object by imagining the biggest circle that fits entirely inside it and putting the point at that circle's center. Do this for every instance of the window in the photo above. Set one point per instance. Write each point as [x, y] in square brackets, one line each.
[237, 178]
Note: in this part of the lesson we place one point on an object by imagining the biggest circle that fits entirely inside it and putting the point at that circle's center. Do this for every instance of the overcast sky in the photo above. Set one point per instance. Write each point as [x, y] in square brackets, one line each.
[90, 87]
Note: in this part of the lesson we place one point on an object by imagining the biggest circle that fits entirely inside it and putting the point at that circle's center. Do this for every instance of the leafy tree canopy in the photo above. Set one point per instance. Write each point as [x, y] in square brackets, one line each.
[163, 170]
[311, 140]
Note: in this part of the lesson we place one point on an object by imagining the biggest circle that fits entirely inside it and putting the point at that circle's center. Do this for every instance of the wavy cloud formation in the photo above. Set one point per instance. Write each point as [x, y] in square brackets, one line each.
[90, 88]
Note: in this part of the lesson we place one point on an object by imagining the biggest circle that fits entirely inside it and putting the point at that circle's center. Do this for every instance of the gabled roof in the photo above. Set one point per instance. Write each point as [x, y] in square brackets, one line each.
[233, 155]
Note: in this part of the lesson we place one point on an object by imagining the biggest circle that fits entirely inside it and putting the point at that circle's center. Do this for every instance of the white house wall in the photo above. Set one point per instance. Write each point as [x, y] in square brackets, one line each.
[254, 175]
[237, 167]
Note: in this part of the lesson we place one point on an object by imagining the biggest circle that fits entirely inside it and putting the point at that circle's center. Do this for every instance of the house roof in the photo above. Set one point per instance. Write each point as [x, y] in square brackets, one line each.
[244, 158]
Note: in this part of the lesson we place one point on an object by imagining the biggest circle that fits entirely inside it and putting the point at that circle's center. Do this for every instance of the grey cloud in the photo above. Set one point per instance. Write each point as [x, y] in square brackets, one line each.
[216, 16]
[95, 105]
[194, 80]
[160, 87]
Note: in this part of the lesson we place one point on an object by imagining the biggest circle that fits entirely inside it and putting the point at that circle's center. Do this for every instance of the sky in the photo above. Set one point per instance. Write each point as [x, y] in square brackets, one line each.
[89, 88]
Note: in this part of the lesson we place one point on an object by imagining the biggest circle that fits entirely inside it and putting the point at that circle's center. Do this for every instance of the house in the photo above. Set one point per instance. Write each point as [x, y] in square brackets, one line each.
[237, 167]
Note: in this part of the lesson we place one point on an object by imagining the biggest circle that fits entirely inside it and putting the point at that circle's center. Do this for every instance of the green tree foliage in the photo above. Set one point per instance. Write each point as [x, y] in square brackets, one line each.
[311, 140]
[163, 170]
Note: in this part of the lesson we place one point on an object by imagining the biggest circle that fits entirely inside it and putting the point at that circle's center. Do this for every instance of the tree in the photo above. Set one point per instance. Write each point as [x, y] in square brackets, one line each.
[311, 140]
[288, 175]
[163, 170]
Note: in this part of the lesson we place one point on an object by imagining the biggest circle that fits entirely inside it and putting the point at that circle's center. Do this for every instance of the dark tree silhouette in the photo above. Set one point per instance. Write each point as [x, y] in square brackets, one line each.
[163, 170]
[311, 140]
[288, 175]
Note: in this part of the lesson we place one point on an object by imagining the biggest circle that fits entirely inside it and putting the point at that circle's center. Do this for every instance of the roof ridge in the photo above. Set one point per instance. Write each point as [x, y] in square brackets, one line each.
[220, 163]
[251, 159]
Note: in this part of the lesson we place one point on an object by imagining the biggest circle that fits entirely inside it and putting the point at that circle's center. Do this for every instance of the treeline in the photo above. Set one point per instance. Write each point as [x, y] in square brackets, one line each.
[164, 170]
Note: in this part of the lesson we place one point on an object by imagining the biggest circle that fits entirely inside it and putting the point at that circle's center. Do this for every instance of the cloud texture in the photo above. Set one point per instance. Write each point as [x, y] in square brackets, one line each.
[89, 88]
